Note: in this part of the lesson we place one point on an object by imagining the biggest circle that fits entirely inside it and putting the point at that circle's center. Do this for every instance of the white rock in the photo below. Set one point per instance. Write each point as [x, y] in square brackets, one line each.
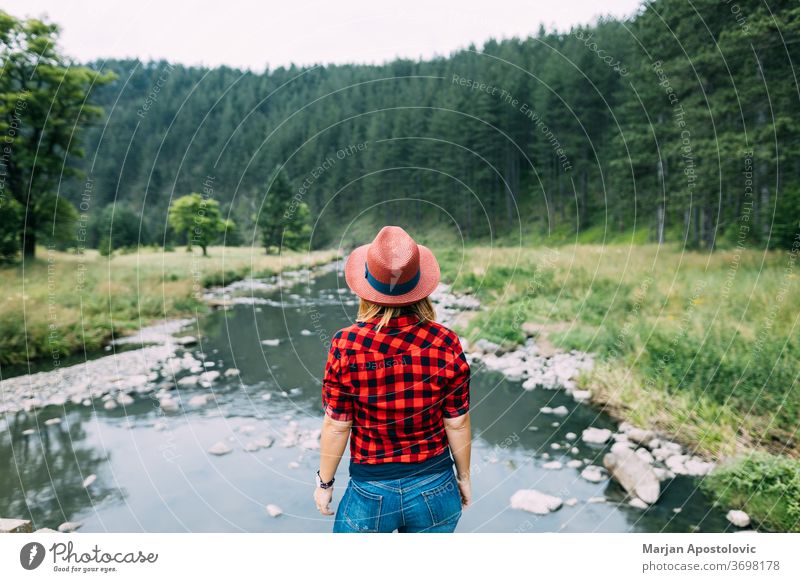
[89, 480]
[640, 435]
[634, 474]
[738, 518]
[273, 510]
[209, 376]
[219, 448]
[110, 405]
[645, 455]
[696, 467]
[264, 443]
[638, 503]
[306, 332]
[596, 500]
[593, 473]
[619, 446]
[571, 501]
[581, 395]
[552, 465]
[125, 399]
[168, 404]
[271, 342]
[199, 400]
[675, 463]
[535, 501]
[570, 436]
[574, 463]
[69, 526]
[188, 381]
[52, 421]
[595, 435]
[230, 372]
[555, 446]
[266, 396]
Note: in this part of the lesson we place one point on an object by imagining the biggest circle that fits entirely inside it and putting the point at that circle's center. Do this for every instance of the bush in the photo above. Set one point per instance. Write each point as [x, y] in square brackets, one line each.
[765, 486]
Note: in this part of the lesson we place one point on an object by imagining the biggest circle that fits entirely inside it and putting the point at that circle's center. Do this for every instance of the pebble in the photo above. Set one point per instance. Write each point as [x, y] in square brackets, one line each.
[535, 501]
[125, 399]
[574, 463]
[552, 465]
[570, 436]
[199, 400]
[738, 518]
[593, 473]
[271, 342]
[110, 405]
[169, 404]
[571, 501]
[596, 500]
[52, 421]
[306, 332]
[273, 510]
[230, 372]
[595, 435]
[219, 448]
[89, 480]
[638, 503]
[69, 526]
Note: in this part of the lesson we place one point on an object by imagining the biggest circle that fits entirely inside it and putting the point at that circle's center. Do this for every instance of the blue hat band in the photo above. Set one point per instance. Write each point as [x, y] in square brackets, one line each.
[386, 288]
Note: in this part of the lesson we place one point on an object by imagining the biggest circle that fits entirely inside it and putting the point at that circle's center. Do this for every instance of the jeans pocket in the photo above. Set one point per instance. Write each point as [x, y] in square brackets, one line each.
[444, 502]
[363, 509]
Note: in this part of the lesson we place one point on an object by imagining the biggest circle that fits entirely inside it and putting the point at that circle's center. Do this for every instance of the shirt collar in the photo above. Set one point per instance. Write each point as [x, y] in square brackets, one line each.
[399, 321]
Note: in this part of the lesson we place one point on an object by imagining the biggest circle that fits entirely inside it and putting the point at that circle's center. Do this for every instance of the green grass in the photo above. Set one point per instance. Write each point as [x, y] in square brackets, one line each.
[703, 347]
[63, 303]
[765, 486]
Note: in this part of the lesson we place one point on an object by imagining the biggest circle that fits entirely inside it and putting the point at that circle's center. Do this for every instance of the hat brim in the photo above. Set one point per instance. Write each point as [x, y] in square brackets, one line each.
[428, 279]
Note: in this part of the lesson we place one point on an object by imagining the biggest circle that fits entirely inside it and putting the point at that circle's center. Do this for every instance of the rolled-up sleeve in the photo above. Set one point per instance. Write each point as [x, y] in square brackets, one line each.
[456, 400]
[337, 401]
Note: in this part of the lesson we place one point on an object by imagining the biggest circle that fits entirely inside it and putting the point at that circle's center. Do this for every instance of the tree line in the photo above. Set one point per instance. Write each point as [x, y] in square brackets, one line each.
[677, 124]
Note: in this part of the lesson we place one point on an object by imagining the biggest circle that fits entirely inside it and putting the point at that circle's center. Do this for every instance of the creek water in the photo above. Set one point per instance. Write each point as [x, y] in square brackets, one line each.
[154, 472]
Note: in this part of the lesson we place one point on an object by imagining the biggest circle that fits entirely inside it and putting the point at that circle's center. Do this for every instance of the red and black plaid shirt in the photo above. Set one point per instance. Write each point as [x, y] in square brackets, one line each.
[396, 385]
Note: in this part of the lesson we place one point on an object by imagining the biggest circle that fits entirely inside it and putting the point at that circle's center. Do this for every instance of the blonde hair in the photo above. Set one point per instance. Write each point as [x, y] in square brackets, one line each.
[368, 310]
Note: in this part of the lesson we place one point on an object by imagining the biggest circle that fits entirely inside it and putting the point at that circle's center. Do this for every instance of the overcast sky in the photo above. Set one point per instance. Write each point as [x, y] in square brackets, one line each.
[252, 34]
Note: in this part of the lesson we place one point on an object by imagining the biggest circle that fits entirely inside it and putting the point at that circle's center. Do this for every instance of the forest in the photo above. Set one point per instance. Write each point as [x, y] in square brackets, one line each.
[679, 124]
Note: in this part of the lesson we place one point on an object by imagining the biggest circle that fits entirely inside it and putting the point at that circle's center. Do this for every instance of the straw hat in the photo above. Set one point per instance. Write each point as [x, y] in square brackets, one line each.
[392, 269]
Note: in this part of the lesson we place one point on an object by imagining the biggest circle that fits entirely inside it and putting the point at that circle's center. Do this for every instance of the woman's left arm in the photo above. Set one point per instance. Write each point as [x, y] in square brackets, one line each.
[332, 443]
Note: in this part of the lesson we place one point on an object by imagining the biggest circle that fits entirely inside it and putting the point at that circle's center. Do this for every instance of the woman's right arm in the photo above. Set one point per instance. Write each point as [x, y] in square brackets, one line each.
[456, 420]
[459, 437]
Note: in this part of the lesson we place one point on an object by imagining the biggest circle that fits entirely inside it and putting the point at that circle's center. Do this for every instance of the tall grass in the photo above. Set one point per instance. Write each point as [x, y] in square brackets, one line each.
[703, 346]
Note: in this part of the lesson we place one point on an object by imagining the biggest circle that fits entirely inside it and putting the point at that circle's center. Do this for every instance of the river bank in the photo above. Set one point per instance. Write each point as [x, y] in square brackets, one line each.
[64, 305]
[699, 348]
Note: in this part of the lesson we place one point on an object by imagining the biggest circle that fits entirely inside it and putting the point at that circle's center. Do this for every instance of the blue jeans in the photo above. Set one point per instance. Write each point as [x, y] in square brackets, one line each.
[428, 503]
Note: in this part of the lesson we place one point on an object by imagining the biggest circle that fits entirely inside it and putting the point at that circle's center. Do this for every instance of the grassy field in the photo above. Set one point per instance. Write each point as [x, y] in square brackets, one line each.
[703, 347]
[64, 303]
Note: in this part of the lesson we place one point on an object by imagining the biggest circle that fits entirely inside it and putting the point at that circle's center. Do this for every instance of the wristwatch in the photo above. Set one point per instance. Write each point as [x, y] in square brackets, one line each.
[321, 484]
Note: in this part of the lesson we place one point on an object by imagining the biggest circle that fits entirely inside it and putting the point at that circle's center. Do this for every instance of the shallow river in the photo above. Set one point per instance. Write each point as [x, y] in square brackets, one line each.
[154, 472]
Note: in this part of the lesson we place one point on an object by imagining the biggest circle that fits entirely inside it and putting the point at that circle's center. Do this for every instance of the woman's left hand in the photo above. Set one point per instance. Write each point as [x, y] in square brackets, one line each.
[323, 498]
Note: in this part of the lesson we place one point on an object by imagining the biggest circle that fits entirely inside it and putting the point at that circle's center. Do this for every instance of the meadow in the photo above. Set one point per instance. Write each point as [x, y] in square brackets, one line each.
[65, 303]
[702, 346]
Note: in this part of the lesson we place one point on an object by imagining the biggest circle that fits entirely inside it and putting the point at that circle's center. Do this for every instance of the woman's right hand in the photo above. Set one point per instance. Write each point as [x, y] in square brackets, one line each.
[465, 490]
